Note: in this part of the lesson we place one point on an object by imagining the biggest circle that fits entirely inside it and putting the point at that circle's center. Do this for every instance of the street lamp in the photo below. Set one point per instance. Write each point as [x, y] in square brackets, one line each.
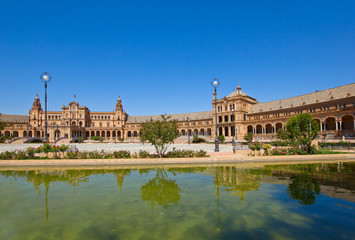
[46, 78]
[188, 130]
[215, 83]
[233, 142]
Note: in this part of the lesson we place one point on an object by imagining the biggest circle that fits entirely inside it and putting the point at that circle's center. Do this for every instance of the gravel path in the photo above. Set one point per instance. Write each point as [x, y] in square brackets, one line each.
[132, 147]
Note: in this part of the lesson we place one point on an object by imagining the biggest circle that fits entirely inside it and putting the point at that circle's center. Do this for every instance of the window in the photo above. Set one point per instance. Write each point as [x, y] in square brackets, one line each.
[108, 124]
[100, 124]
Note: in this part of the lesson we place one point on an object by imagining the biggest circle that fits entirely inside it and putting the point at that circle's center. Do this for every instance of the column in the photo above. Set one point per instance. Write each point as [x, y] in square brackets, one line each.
[340, 125]
[321, 126]
[336, 125]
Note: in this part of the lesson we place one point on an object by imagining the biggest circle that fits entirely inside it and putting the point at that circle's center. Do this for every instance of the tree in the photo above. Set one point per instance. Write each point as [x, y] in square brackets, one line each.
[249, 137]
[160, 133]
[2, 125]
[301, 130]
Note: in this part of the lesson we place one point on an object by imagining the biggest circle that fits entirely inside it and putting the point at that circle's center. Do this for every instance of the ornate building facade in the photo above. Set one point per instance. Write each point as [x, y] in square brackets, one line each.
[237, 114]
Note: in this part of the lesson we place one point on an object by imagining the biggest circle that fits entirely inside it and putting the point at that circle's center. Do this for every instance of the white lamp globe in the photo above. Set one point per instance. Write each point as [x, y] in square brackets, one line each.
[45, 77]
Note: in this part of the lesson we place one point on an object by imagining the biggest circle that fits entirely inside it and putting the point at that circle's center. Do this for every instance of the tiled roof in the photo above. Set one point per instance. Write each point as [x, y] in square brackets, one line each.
[306, 99]
[14, 118]
[179, 117]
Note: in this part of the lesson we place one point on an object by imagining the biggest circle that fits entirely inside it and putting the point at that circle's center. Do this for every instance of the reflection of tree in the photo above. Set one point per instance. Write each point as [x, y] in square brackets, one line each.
[120, 175]
[161, 190]
[303, 188]
[237, 181]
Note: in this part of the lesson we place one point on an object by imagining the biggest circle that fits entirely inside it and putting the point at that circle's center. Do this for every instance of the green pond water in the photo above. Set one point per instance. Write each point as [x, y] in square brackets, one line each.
[314, 201]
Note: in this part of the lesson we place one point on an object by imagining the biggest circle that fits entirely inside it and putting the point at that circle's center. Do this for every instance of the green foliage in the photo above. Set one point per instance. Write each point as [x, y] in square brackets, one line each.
[30, 152]
[266, 148]
[95, 155]
[186, 153]
[143, 154]
[46, 148]
[72, 155]
[201, 153]
[96, 138]
[322, 145]
[301, 130]
[303, 188]
[3, 125]
[283, 134]
[79, 140]
[279, 143]
[160, 133]
[2, 139]
[122, 154]
[63, 148]
[252, 146]
[249, 137]
[120, 139]
[198, 140]
[221, 138]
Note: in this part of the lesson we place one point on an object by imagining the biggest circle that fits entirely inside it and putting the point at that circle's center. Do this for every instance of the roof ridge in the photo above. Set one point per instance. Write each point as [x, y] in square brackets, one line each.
[306, 94]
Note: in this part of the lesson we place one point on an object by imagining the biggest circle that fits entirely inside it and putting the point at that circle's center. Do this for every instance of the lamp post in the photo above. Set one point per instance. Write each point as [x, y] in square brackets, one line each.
[188, 130]
[233, 142]
[46, 78]
[215, 83]
[28, 131]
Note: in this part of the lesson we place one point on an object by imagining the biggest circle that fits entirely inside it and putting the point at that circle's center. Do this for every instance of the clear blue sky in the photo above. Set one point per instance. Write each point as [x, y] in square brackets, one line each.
[160, 56]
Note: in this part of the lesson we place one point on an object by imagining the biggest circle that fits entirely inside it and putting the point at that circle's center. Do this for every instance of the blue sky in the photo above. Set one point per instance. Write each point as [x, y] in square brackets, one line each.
[160, 56]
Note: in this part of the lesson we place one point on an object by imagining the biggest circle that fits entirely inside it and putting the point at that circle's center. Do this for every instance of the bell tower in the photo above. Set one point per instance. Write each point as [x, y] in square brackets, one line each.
[36, 113]
[120, 114]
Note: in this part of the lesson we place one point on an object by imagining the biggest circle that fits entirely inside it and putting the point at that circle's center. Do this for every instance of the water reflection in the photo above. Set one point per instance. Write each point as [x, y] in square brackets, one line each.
[161, 190]
[304, 182]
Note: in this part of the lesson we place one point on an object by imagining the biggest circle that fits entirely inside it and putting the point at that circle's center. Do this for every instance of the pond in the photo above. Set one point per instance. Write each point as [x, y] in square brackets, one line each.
[313, 201]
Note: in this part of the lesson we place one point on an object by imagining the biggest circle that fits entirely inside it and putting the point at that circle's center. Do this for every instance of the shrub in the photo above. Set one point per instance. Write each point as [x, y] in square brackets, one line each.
[120, 139]
[46, 148]
[95, 155]
[198, 140]
[38, 150]
[322, 145]
[122, 154]
[79, 140]
[143, 154]
[249, 137]
[221, 138]
[2, 139]
[266, 148]
[82, 155]
[96, 138]
[20, 154]
[72, 155]
[293, 151]
[63, 148]
[252, 146]
[30, 152]
[275, 152]
[201, 153]
[180, 153]
[279, 143]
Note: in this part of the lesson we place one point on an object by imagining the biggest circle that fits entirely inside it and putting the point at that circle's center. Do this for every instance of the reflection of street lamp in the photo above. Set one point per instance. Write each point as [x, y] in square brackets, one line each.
[188, 130]
[46, 78]
[215, 83]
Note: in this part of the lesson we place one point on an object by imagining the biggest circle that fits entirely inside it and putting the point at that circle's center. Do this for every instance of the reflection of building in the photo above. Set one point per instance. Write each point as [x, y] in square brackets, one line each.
[237, 114]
